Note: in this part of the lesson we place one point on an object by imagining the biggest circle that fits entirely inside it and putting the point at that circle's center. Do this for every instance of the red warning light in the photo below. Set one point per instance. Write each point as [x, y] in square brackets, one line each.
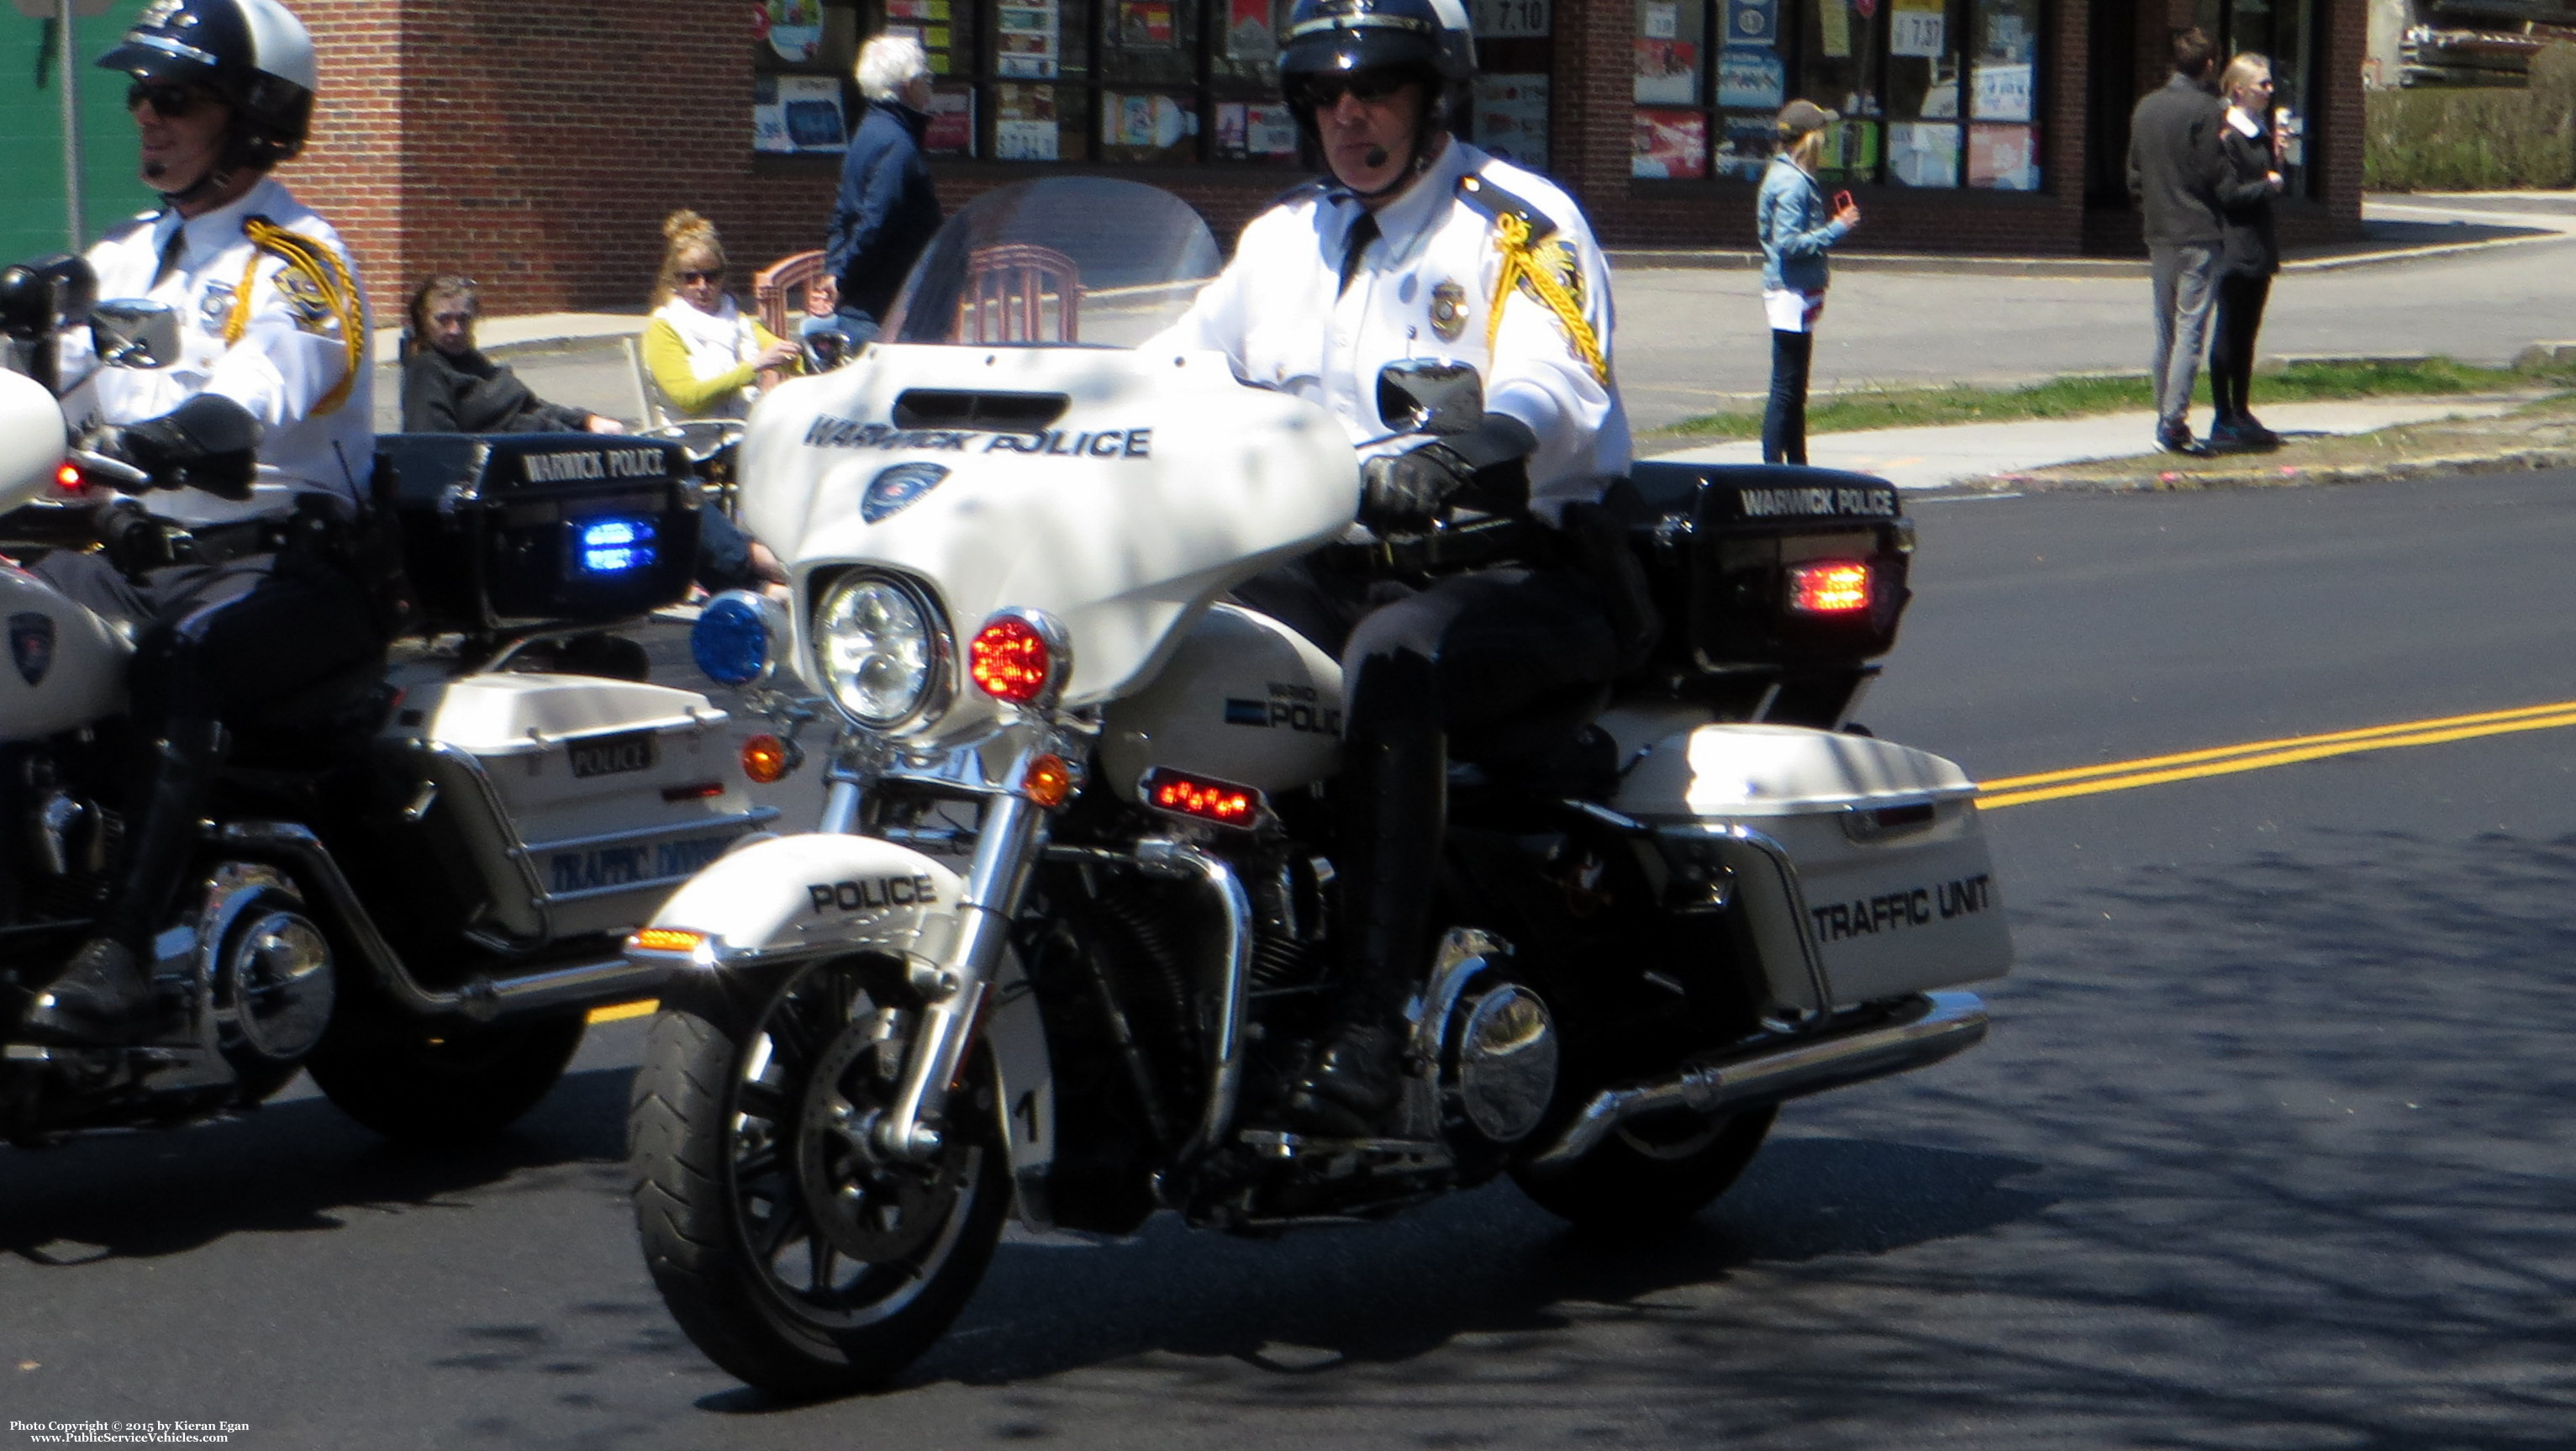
[1203, 799]
[1829, 587]
[1010, 660]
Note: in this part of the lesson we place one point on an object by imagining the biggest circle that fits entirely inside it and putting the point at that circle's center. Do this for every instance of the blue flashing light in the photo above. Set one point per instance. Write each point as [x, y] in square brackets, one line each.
[618, 545]
[730, 641]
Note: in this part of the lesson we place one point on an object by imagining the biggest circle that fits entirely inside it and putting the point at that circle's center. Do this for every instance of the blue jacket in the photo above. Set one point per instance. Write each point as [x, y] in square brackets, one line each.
[887, 211]
[1796, 225]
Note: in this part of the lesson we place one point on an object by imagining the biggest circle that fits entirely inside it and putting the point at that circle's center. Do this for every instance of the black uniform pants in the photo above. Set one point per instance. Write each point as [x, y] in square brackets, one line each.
[2231, 343]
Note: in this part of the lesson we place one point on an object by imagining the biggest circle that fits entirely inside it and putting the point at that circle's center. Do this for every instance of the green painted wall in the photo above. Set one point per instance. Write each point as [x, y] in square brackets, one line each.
[31, 135]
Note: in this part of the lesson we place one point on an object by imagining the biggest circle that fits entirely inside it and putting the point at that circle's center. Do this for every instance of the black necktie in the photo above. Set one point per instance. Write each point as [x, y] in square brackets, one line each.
[170, 252]
[1363, 232]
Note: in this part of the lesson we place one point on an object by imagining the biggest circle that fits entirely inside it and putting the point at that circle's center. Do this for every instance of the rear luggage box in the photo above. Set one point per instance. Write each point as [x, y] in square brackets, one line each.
[583, 801]
[1861, 864]
[1772, 575]
[518, 531]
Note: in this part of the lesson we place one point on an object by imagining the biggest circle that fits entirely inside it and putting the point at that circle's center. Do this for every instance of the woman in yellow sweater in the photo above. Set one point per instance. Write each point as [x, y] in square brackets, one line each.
[704, 353]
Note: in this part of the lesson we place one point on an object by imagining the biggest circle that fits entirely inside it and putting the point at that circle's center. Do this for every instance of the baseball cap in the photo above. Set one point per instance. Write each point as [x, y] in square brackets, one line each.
[1800, 117]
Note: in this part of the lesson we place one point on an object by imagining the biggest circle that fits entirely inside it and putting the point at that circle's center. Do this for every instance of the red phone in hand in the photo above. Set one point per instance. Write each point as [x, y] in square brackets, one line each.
[1842, 200]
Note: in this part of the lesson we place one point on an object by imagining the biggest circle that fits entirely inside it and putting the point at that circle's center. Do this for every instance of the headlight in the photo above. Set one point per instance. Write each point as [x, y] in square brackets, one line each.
[882, 650]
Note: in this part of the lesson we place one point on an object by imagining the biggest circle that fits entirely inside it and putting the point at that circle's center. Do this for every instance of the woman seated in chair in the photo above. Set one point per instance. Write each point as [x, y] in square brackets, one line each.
[705, 354]
[450, 387]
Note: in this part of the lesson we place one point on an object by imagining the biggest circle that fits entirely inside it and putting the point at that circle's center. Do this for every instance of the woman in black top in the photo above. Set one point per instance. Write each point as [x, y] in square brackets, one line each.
[2249, 252]
[450, 387]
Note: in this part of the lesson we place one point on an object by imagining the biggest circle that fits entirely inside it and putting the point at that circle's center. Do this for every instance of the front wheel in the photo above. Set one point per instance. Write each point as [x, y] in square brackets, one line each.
[788, 1249]
[1654, 1172]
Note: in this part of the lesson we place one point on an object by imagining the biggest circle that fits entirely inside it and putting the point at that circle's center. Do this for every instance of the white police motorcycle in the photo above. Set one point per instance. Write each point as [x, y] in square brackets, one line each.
[417, 879]
[1059, 944]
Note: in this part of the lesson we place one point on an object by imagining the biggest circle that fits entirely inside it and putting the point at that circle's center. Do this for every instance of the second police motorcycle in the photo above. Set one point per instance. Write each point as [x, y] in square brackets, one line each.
[1061, 941]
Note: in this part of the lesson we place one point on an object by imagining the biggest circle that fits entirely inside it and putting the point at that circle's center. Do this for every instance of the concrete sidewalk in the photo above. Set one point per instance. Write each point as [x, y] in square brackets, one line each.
[1932, 458]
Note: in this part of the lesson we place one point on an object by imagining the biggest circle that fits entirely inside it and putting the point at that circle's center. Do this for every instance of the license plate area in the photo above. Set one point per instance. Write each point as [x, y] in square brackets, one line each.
[617, 755]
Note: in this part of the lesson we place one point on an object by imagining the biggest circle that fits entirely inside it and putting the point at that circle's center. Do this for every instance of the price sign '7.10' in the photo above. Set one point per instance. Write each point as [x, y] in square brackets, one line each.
[1507, 19]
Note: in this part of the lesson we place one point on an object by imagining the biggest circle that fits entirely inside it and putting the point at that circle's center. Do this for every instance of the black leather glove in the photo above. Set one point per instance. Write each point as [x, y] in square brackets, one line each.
[1486, 467]
[208, 442]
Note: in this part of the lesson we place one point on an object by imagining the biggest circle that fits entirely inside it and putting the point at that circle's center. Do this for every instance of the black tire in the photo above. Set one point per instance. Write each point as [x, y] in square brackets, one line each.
[1652, 1173]
[724, 1201]
[441, 1084]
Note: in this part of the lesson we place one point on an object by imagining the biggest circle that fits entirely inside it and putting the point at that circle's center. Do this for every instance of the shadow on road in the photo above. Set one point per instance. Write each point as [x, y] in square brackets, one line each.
[292, 1166]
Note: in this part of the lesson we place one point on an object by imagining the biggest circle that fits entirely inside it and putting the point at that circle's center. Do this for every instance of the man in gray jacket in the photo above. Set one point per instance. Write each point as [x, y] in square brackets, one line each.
[2174, 166]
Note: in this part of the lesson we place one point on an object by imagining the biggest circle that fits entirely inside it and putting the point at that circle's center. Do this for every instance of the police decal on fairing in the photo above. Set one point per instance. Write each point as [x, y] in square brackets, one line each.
[1894, 911]
[874, 894]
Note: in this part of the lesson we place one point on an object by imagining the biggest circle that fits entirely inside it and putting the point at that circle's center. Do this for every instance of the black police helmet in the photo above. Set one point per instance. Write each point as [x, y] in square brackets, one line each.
[253, 53]
[1429, 37]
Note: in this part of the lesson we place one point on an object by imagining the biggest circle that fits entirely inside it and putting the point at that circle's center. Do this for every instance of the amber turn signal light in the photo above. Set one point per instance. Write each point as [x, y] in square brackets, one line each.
[1049, 781]
[665, 939]
[766, 759]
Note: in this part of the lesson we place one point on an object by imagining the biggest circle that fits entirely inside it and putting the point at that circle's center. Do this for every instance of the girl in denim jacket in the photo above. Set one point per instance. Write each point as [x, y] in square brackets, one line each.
[1796, 233]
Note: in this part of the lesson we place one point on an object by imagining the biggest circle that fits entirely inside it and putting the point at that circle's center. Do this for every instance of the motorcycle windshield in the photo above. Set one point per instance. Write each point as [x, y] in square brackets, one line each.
[1070, 261]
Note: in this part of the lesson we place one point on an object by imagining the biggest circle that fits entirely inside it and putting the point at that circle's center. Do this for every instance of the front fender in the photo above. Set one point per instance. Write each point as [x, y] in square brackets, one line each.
[794, 898]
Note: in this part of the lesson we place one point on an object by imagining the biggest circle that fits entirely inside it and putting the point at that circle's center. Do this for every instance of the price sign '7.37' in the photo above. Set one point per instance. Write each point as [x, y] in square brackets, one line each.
[1506, 19]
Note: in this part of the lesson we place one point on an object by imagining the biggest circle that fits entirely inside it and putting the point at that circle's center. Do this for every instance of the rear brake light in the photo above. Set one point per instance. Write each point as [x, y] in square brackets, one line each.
[1829, 587]
[1204, 799]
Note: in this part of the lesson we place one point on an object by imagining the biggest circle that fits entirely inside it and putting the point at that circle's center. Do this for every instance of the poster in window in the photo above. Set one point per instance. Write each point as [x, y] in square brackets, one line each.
[1025, 123]
[1919, 28]
[1851, 146]
[792, 114]
[951, 131]
[2005, 158]
[924, 10]
[1511, 118]
[1661, 20]
[1752, 22]
[1923, 155]
[1269, 131]
[1670, 144]
[1025, 40]
[1510, 19]
[1744, 147]
[1667, 72]
[794, 27]
[1833, 27]
[2001, 92]
[1231, 144]
[1146, 25]
[1248, 35]
[1751, 80]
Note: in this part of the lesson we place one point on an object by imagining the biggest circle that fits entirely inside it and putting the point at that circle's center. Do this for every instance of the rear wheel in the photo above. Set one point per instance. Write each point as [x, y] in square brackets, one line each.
[441, 1083]
[1652, 1172]
[790, 1251]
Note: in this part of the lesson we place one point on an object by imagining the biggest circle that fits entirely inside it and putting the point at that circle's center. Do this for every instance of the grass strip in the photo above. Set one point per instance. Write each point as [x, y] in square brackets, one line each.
[2079, 396]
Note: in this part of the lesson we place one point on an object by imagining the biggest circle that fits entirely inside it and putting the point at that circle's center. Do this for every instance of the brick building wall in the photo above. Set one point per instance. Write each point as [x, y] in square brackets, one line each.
[536, 145]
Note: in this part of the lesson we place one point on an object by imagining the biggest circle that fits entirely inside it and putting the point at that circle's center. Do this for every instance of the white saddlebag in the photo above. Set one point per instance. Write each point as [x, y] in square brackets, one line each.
[1860, 863]
[582, 802]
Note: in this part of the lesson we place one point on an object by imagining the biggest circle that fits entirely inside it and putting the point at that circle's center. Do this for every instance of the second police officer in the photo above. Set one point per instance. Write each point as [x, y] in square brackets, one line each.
[1418, 245]
[257, 437]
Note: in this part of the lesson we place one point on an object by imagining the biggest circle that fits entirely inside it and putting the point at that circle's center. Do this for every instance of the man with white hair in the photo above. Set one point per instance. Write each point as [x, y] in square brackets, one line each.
[887, 210]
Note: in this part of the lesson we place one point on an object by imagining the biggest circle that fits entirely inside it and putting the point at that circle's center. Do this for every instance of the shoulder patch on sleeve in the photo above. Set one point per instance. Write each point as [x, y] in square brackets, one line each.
[1496, 203]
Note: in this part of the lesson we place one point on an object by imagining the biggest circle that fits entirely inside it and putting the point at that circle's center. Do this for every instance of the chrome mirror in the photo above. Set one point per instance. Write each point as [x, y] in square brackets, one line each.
[134, 332]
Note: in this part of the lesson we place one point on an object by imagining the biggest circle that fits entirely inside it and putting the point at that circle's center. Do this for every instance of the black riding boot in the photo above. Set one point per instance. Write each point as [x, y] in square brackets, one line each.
[104, 994]
[1394, 807]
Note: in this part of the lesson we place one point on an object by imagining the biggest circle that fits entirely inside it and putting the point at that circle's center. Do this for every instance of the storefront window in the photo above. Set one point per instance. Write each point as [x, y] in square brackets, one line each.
[2282, 31]
[1514, 54]
[1933, 93]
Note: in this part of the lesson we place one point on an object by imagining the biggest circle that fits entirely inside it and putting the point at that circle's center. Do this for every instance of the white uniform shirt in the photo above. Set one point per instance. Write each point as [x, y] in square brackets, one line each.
[290, 356]
[1424, 289]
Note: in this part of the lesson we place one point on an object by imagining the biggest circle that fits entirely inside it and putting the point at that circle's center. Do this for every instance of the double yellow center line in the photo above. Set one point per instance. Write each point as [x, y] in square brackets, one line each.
[2260, 755]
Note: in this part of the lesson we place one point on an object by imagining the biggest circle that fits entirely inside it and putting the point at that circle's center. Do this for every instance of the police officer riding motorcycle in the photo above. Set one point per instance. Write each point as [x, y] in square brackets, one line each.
[254, 443]
[1415, 232]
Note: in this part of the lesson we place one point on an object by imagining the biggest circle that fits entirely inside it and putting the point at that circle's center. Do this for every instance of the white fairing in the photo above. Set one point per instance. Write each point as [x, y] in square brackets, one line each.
[1244, 699]
[829, 894]
[1163, 484]
[1893, 886]
[65, 666]
[31, 438]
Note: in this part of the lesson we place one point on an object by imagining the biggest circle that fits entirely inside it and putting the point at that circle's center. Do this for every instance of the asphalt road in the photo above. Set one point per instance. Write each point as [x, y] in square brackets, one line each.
[2267, 1150]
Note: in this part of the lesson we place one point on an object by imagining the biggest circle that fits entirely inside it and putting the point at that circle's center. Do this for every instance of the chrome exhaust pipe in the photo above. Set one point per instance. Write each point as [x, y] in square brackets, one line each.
[483, 998]
[1934, 1027]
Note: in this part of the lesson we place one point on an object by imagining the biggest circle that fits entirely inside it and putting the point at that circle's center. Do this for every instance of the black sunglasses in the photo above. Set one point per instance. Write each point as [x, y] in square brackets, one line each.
[1366, 87]
[695, 276]
[168, 101]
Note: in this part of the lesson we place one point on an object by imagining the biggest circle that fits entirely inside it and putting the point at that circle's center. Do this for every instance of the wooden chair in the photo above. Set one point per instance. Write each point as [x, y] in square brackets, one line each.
[780, 285]
[1015, 291]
